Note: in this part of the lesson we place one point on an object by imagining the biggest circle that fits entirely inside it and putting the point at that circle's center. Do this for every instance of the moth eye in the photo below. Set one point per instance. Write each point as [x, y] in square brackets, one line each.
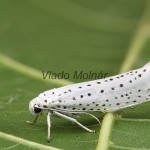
[37, 110]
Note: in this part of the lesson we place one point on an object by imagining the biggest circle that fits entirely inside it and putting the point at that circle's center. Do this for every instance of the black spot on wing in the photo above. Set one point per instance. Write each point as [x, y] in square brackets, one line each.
[130, 81]
[140, 75]
[121, 85]
[81, 96]
[89, 94]
[102, 91]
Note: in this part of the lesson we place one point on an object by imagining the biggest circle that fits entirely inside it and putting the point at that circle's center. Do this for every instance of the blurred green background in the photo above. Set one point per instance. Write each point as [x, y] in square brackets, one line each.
[67, 35]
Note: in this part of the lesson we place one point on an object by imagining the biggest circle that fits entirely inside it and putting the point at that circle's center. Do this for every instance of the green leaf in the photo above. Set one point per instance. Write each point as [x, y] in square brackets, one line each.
[101, 36]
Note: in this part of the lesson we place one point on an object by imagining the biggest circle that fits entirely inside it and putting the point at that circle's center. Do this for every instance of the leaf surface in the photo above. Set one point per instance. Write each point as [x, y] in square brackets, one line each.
[69, 36]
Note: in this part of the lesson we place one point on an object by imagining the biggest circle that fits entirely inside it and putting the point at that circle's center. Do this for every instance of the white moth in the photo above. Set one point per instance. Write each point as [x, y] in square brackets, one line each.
[104, 95]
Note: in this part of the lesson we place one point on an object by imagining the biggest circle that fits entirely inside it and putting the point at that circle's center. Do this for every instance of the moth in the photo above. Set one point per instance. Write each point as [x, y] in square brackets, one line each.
[103, 95]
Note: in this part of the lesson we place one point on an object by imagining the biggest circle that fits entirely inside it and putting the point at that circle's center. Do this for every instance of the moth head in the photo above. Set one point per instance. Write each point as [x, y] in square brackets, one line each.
[34, 107]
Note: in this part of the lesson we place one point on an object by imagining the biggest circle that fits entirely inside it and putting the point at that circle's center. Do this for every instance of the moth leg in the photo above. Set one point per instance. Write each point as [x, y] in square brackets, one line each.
[93, 117]
[34, 121]
[48, 125]
[73, 120]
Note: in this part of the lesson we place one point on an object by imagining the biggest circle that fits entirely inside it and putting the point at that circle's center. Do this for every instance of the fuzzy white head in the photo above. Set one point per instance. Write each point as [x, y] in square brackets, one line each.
[40, 103]
[34, 107]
